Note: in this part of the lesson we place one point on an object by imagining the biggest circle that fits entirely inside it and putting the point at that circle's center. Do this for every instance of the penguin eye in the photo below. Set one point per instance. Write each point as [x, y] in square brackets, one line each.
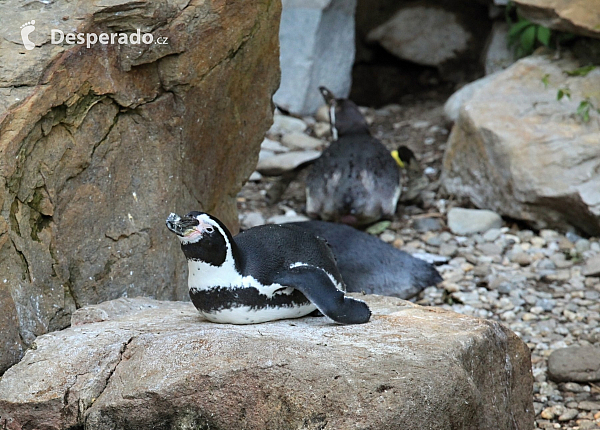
[210, 229]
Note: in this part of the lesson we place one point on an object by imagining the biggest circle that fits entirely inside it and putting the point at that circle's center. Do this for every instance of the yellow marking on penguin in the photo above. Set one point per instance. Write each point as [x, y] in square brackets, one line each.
[397, 158]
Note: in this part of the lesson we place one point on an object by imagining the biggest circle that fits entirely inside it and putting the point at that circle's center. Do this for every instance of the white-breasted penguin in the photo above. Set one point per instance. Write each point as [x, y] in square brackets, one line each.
[266, 273]
[356, 180]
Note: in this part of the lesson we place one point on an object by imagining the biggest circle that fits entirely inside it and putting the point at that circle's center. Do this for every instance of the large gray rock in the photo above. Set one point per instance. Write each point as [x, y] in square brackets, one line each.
[572, 16]
[430, 33]
[317, 48]
[98, 145]
[165, 367]
[518, 151]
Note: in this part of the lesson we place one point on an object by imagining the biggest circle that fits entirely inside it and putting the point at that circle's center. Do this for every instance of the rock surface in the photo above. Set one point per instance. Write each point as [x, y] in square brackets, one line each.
[518, 151]
[575, 364]
[410, 367]
[573, 16]
[469, 221]
[317, 48]
[98, 145]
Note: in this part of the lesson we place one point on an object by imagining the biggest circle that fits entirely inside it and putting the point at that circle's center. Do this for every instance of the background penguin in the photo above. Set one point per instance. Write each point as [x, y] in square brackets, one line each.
[355, 181]
[368, 264]
[266, 273]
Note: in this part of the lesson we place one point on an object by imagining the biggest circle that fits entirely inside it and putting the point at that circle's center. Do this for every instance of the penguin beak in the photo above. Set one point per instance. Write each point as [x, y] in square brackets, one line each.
[179, 225]
[327, 95]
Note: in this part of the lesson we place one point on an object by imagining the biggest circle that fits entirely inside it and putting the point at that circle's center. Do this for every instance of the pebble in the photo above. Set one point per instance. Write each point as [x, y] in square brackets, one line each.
[568, 415]
[282, 219]
[469, 221]
[322, 130]
[589, 406]
[281, 163]
[273, 146]
[492, 234]
[301, 141]
[283, 124]
[592, 267]
[427, 224]
[253, 219]
[322, 114]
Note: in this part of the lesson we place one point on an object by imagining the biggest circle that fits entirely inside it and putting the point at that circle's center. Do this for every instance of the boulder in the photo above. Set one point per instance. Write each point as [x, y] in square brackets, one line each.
[515, 149]
[99, 144]
[163, 366]
[572, 16]
[317, 48]
[433, 34]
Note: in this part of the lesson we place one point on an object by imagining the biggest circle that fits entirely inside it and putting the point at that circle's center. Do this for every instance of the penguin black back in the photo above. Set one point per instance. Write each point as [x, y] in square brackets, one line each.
[370, 265]
[356, 180]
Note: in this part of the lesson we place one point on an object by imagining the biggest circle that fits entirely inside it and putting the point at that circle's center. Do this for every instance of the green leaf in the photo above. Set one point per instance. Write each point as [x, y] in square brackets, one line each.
[378, 228]
[545, 80]
[543, 35]
[582, 71]
[583, 110]
[563, 92]
[528, 39]
[518, 27]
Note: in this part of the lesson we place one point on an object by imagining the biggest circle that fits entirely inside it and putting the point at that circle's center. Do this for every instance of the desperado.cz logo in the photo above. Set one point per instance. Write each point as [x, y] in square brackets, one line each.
[90, 39]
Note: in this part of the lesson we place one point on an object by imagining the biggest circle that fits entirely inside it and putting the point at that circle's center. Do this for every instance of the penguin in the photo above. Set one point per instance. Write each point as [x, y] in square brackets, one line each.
[370, 265]
[265, 273]
[356, 180]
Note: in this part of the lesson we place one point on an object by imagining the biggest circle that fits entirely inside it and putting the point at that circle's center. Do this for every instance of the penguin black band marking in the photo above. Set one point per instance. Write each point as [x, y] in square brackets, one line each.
[219, 298]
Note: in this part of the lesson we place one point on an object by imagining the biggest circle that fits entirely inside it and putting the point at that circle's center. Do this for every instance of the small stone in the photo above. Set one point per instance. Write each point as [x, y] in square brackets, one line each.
[547, 414]
[586, 425]
[546, 304]
[469, 221]
[492, 234]
[281, 163]
[448, 250]
[575, 364]
[521, 258]
[282, 219]
[546, 264]
[592, 266]
[490, 248]
[561, 261]
[548, 234]
[255, 177]
[322, 130]
[538, 242]
[431, 258]
[427, 224]
[253, 219]
[322, 114]
[582, 245]
[529, 317]
[589, 406]
[568, 415]
[283, 124]
[565, 244]
[573, 387]
[388, 237]
[272, 145]
[301, 141]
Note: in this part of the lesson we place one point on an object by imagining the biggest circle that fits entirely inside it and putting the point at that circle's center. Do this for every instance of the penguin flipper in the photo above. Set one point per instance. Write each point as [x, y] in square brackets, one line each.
[320, 290]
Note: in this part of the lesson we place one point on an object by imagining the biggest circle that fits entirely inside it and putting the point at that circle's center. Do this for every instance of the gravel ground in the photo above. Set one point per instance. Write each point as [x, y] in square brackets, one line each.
[531, 281]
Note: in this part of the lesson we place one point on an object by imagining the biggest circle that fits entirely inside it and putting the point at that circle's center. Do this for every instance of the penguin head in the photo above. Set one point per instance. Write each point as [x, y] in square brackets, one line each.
[344, 116]
[202, 236]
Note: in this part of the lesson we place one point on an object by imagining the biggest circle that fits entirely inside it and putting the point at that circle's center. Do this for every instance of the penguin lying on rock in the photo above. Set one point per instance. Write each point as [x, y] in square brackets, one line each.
[266, 273]
[370, 265]
[355, 181]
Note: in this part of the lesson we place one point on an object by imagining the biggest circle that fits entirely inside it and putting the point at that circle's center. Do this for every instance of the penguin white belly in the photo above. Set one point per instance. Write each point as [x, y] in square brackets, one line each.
[222, 295]
[249, 315]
